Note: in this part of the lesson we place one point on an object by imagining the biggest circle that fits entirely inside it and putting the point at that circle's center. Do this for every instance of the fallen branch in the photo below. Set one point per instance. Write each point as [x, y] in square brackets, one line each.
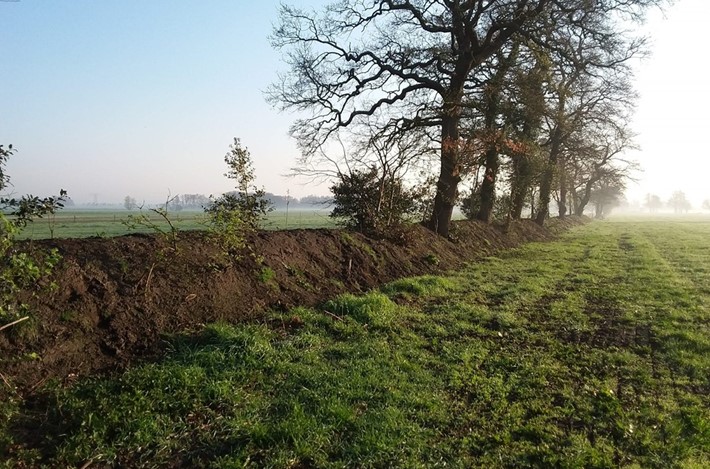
[91, 461]
[147, 281]
[38, 384]
[14, 322]
[334, 316]
[6, 381]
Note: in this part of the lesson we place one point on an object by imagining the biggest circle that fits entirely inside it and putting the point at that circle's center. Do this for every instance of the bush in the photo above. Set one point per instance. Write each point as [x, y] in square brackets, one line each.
[371, 202]
[20, 270]
[236, 214]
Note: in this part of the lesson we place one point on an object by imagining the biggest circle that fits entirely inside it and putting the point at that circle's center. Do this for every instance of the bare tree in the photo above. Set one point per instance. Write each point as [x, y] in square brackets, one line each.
[608, 193]
[586, 102]
[129, 203]
[653, 203]
[679, 203]
[411, 58]
[414, 60]
[598, 160]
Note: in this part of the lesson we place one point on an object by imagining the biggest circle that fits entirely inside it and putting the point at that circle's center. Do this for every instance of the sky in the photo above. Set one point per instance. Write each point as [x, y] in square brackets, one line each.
[143, 98]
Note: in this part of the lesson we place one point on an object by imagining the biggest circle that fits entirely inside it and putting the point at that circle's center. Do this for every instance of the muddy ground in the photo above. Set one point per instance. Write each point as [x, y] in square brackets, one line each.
[115, 300]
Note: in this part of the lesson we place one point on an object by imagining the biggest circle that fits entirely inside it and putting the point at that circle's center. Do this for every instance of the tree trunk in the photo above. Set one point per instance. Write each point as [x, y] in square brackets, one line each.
[599, 211]
[449, 177]
[562, 205]
[492, 162]
[488, 186]
[543, 209]
[533, 206]
[584, 200]
[548, 175]
[520, 185]
[574, 200]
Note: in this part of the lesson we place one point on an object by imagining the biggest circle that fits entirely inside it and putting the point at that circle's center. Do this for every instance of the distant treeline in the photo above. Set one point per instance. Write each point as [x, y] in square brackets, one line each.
[281, 202]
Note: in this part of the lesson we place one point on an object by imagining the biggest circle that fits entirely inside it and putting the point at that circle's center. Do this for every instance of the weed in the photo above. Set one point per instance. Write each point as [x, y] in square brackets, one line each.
[374, 309]
[68, 316]
[166, 227]
[266, 275]
[431, 259]
[299, 276]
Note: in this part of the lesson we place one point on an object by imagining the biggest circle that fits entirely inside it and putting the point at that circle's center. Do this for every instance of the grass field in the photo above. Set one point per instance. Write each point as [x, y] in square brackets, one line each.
[593, 351]
[108, 223]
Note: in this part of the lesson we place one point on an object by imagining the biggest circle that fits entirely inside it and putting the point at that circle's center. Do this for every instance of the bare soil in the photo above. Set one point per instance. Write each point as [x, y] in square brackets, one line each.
[116, 299]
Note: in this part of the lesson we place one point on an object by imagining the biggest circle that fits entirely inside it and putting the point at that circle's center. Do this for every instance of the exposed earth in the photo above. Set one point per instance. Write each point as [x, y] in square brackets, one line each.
[114, 300]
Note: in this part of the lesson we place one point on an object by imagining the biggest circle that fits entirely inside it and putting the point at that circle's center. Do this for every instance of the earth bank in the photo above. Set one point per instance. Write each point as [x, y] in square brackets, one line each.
[113, 300]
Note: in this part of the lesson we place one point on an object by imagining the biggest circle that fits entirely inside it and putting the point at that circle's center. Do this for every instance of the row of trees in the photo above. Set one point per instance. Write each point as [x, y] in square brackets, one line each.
[526, 102]
[678, 202]
[199, 201]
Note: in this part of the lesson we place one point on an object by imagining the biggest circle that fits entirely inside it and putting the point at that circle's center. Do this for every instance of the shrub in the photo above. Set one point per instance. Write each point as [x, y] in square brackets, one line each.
[21, 270]
[234, 215]
[166, 226]
[371, 202]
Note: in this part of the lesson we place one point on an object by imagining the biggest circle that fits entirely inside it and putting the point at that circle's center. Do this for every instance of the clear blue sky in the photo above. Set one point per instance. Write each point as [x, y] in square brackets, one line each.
[138, 97]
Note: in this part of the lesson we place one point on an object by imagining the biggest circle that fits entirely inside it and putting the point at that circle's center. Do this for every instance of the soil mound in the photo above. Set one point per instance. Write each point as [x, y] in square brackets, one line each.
[115, 299]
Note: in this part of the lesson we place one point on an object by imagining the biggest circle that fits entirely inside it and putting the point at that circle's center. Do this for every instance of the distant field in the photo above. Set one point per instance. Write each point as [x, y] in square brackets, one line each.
[593, 351]
[108, 223]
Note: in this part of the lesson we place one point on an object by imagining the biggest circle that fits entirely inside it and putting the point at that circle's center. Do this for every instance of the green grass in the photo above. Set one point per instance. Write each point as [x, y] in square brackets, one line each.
[107, 223]
[593, 351]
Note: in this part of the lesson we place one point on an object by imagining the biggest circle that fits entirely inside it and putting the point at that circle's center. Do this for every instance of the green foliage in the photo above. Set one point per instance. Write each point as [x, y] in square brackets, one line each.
[470, 203]
[266, 275]
[372, 203]
[235, 215]
[21, 271]
[432, 259]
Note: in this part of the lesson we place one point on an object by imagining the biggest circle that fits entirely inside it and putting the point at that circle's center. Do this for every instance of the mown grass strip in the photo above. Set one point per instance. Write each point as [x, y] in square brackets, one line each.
[588, 352]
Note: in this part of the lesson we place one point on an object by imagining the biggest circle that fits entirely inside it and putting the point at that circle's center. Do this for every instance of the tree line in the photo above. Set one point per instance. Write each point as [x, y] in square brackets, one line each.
[678, 202]
[200, 201]
[506, 107]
